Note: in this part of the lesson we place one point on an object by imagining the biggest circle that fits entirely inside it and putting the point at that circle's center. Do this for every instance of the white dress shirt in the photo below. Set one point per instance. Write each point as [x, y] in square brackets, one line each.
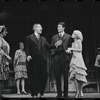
[62, 33]
[37, 35]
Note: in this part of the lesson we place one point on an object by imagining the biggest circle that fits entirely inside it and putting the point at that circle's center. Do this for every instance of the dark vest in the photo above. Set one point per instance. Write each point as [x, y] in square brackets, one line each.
[60, 47]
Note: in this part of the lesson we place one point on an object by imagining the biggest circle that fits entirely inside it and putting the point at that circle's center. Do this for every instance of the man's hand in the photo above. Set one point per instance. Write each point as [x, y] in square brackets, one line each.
[58, 43]
[29, 58]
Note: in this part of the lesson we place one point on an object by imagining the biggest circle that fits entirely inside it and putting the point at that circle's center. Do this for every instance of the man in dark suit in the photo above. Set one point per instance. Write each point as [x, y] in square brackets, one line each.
[60, 58]
[36, 50]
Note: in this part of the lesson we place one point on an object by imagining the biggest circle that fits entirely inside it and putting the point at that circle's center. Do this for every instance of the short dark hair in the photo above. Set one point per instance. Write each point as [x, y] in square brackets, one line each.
[98, 50]
[21, 43]
[62, 23]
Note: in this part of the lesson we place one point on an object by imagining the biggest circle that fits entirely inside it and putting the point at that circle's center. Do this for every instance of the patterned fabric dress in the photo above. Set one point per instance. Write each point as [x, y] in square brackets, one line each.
[77, 65]
[4, 64]
[20, 64]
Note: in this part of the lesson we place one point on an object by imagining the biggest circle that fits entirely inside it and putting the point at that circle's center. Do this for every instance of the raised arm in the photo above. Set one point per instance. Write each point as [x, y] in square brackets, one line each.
[79, 47]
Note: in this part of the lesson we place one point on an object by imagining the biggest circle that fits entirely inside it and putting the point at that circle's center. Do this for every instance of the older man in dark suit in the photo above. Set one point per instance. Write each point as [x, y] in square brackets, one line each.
[36, 50]
[60, 58]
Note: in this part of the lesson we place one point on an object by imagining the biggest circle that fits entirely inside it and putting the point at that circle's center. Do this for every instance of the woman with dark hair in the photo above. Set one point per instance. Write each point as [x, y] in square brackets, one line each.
[97, 64]
[97, 61]
[4, 56]
[20, 68]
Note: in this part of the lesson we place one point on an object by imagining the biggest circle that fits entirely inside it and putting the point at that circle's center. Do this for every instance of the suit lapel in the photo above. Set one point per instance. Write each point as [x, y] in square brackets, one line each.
[56, 37]
[33, 37]
[64, 36]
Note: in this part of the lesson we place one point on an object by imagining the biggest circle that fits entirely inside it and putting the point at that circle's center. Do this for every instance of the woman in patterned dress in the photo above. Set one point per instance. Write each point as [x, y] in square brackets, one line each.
[77, 71]
[20, 68]
[4, 56]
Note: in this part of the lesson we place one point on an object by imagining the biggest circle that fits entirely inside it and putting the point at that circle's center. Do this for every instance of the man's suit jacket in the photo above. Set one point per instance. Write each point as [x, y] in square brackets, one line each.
[32, 48]
[67, 42]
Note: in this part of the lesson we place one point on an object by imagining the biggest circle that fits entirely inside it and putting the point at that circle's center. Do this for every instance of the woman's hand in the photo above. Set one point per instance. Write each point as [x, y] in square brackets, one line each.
[68, 50]
[58, 43]
[8, 57]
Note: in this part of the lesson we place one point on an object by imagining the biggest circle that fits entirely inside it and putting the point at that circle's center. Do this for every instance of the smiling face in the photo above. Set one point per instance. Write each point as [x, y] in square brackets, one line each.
[37, 28]
[21, 45]
[60, 28]
[74, 36]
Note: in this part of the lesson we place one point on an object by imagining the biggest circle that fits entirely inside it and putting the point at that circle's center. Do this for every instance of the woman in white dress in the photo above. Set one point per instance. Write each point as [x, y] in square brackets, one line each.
[4, 56]
[77, 71]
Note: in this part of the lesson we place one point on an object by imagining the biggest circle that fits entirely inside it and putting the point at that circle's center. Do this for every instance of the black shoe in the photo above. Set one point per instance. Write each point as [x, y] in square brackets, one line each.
[33, 96]
[1, 97]
[66, 96]
[58, 96]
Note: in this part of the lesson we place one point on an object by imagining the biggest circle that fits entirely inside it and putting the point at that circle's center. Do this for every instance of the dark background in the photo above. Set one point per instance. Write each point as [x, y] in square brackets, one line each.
[19, 16]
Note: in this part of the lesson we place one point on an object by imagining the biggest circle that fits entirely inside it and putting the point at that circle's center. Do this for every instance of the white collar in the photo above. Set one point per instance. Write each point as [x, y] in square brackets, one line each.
[37, 35]
[62, 33]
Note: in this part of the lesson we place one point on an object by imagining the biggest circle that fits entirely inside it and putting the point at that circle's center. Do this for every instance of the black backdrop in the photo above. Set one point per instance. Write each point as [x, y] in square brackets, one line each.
[20, 16]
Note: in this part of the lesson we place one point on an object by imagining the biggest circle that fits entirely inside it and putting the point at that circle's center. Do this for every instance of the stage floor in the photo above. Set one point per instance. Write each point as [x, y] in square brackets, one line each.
[52, 95]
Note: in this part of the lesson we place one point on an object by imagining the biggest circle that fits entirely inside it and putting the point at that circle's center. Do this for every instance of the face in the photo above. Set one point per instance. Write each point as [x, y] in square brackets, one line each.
[21, 46]
[4, 33]
[74, 36]
[38, 28]
[60, 28]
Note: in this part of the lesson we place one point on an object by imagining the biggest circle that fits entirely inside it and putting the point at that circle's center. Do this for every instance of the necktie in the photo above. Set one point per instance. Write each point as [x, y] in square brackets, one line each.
[60, 36]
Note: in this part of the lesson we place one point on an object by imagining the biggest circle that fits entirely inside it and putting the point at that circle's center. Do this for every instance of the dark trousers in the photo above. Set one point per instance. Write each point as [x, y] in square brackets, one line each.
[61, 67]
[37, 73]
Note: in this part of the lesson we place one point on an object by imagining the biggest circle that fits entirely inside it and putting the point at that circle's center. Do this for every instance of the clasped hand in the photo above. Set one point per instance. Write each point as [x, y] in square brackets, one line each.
[68, 50]
[58, 43]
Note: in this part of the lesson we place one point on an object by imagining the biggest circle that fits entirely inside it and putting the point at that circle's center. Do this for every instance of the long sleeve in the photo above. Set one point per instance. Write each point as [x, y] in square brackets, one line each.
[27, 48]
[51, 46]
[54, 47]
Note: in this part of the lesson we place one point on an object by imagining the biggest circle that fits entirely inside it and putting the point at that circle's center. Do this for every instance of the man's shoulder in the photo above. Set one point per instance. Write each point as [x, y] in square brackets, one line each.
[54, 35]
[67, 34]
[43, 38]
[28, 36]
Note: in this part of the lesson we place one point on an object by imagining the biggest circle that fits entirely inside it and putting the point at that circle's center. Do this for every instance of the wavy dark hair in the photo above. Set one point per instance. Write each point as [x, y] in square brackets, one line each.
[62, 23]
[98, 50]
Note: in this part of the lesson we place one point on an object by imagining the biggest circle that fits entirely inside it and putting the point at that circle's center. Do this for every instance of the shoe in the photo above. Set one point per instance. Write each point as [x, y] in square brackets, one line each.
[33, 96]
[80, 94]
[42, 96]
[18, 93]
[24, 93]
[66, 96]
[38, 95]
[58, 96]
[1, 97]
[76, 95]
